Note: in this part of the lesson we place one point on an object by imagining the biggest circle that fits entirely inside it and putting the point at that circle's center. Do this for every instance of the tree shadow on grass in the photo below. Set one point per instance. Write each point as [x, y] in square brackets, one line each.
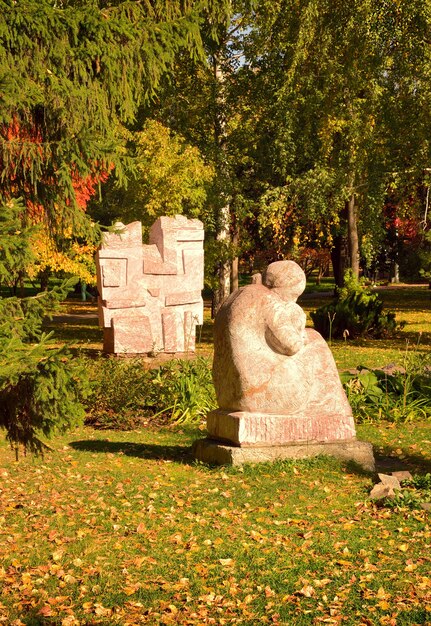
[179, 454]
[388, 460]
[80, 332]
[31, 617]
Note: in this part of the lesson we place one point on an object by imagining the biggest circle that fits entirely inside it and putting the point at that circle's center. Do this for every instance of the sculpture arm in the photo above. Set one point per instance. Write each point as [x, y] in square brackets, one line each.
[285, 328]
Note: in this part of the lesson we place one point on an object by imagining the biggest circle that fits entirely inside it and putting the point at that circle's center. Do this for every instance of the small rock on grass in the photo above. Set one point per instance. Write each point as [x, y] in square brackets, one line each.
[390, 481]
[402, 475]
[386, 487]
[381, 491]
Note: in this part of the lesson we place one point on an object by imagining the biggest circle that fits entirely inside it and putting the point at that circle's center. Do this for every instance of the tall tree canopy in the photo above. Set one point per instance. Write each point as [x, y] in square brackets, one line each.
[202, 103]
[167, 176]
[70, 73]
[339, 95]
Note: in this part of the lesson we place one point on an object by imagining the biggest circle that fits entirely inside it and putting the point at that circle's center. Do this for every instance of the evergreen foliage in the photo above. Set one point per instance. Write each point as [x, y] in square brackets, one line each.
[70, 74]
[40, 386]
[15, 243]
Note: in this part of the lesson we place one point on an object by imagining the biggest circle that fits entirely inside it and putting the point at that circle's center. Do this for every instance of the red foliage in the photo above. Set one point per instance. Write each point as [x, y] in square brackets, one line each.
[408, 229]
[311, 259]
[83, 186]
[15, 132]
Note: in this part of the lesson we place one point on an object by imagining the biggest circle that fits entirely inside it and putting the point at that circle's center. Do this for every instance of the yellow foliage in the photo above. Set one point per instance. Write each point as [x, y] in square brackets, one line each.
[77, 260]
[331, 127]
[172, 176]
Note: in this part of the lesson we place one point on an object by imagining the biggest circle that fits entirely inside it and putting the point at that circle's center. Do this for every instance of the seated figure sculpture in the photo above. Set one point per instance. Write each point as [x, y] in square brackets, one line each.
[276, 381]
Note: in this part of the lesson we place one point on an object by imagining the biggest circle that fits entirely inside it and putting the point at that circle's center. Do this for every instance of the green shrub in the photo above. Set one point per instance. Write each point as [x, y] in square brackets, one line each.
[40, 386]
[401, 396]
[124, 392]
[357, 311]
[414, 493]
[420, 481]
[118, 388]
[183, 390]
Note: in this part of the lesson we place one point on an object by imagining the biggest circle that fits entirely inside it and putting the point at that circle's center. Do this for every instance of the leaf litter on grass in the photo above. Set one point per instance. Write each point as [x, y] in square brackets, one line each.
[93, 537]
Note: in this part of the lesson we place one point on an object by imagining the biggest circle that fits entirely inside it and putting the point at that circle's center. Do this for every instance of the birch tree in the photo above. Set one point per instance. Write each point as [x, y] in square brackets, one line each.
[344, 95]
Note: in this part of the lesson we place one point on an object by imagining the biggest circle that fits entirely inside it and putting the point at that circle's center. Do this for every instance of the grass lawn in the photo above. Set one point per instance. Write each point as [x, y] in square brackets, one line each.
[126, 528]
[78, 326]
[412, 305]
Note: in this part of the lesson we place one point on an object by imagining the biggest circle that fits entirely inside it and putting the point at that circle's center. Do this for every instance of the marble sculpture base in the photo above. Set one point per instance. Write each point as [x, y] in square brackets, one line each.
[241, 428]
[217, 453]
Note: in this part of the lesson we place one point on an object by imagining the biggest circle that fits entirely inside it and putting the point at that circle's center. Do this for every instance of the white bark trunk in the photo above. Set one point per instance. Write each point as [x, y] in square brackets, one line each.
[224, 219]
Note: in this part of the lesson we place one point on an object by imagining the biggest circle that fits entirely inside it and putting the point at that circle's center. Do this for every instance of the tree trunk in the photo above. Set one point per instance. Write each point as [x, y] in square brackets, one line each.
[222, 291]
[234, 275]
[235, 262]
[338, 259]
[223, 270]
[44, 278]
[352, 235]
[395, 273]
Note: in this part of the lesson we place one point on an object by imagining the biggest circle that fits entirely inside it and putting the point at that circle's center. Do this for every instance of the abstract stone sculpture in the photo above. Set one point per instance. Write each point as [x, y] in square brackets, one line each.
[276, 382]
[150, 295]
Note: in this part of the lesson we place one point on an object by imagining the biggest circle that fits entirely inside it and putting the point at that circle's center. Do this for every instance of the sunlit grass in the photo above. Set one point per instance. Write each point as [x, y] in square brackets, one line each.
[125, 528]
[411, 304]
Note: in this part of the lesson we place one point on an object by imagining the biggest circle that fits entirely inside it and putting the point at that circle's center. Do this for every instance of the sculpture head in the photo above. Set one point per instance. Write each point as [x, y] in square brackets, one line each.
[286, 278]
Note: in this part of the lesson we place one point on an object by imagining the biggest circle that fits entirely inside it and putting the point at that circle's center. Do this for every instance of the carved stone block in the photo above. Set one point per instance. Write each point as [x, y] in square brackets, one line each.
[150, 295]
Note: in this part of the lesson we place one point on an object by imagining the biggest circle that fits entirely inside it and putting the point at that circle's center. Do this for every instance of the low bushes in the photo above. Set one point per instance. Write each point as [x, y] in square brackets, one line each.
[41, 387]
[124, 393]
[117, 388]
[357, 312]
[414, 493]
[182, 390]
[402, 395]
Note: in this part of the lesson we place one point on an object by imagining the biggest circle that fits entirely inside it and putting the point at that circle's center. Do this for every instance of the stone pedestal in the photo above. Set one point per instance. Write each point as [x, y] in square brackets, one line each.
[216, 453]
[241, 428]
[240, 437]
